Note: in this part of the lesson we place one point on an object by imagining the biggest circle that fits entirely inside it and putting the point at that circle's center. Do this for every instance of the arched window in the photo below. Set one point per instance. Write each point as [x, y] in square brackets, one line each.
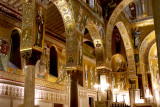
[53, 62]
[15, 58]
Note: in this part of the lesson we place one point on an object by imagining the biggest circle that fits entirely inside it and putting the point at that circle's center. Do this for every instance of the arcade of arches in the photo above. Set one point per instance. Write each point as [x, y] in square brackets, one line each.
[79, 53]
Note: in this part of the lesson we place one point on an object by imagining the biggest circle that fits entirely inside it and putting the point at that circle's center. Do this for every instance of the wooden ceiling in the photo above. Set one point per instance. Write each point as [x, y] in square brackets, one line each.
[15, 5]
[54, 22]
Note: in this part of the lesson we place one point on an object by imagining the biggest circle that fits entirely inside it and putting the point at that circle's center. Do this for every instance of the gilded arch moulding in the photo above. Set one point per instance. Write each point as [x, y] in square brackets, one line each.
[146, 55]
[97, 41]
[70, 29]
[148, 41]
[128, 45]
[75, 21]
[110, 27]
[84, 19]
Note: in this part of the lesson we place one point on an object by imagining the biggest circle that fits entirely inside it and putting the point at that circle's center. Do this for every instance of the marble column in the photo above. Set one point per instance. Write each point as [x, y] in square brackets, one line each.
[74, 93]
[156, 15]
[33, 15]
[29, 88]
[132, 91]
[74, 76]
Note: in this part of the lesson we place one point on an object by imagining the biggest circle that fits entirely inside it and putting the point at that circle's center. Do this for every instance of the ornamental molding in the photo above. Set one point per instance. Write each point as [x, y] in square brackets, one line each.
[38, 82]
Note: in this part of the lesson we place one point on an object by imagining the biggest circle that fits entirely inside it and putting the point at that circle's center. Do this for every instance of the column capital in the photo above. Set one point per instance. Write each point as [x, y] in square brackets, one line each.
[31, 57]
[103, 71]
[132, 80]
[76, 75]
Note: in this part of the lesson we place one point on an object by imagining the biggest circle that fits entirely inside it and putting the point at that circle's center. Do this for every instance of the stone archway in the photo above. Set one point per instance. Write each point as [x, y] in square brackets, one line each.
[67, 14]
[97, 41]
[128, 46]
[144, 51]
[110, 27]
[70, 29]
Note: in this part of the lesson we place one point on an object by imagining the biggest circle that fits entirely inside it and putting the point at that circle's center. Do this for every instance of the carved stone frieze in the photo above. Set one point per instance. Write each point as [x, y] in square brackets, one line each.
[18, 93]
[38, 82]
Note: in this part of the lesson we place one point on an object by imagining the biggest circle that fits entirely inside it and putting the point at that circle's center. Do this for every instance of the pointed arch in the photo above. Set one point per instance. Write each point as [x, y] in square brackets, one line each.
[66, 13]
[146, 44]
[14, 56]
[65, 8]
[128, 45]
[110, 27]
[97, 41]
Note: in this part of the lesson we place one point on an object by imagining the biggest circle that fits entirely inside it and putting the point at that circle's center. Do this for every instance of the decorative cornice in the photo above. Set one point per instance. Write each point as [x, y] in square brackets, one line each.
[10, 12]
[38, 82]
[9, 20]
[103, 71]
[89, 59]
[63, 39]
[55, 41]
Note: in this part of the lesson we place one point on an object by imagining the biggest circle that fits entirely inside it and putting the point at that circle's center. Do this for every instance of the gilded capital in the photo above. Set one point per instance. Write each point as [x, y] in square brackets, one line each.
[103, 71]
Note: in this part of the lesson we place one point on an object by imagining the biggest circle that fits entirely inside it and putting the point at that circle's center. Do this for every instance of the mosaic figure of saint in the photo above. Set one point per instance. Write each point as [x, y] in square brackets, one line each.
[123, 81]
[27, 33]
[86, 77]
[80, 51]
[152, 72]
[41, 68]
[1, 65]
[136, 38]
[42, 64]
[113, 82]
[101, 31]
[4, 56]
[132, 9]
[39, 27]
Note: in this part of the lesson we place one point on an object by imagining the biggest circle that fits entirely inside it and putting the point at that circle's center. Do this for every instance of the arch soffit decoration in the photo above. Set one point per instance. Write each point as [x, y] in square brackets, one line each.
[69, 22]
[67, 15]
[70, 27]
[146, 55]
[110, 27]
[95, 27]
[66, 12]
[127, 44]
[147, 43]
[97, 41]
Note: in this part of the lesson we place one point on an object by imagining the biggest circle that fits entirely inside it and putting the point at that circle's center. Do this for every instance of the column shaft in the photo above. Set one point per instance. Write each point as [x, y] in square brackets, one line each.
[133, 88]
[156, 15]
[29, 87]
[74, 93]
